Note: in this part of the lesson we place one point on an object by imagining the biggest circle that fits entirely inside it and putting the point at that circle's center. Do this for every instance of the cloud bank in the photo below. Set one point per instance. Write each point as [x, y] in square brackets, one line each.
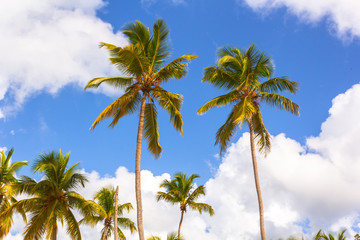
[47, 45]
[342, 16]
[305, 188]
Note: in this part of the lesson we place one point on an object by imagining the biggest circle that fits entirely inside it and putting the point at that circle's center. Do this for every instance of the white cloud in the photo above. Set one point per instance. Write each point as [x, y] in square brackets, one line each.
[47, 45]
[313, 186]
[342, 16]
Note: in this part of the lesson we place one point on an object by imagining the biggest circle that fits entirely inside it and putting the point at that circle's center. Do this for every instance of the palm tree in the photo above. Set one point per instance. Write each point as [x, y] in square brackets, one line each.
[181, 190]
[170, 236]
[105, 212]
[323, 236]
[7, 191]
[53, 197]
[143, 62]
[241, 72]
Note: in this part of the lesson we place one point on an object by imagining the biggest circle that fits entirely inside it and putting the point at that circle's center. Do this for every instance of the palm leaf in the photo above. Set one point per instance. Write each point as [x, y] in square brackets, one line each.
[171, 102]
[151, 129]
[122, 106]
[219, 101]
[112, 81]
[281, 102]
[278, 85]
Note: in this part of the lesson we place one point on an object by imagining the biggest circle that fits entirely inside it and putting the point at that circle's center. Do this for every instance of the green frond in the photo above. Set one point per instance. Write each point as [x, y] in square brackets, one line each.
[226, 132]
[117, 82]
[138, 35]
[198, 192]
[220, 77]
[122, 106]
[220, 101]
[72, 226]
[281, 102]
[177, 68]
[262, 136]
[166, 197]
[280, 84]
[151, 130]
[125, 207]
[202, 207]
[171, 102]
[159, 48]
[126, 223]
[14, 167]
[130, 61]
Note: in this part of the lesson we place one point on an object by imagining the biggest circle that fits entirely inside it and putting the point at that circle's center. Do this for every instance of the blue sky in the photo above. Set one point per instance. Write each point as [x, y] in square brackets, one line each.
[51, 53]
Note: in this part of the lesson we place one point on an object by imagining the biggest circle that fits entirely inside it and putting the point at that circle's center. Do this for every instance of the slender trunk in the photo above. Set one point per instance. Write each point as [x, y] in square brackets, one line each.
[181, 219]
[54, 232]
[257, 183]
[138, 169]
[105, 232]
[116, 213]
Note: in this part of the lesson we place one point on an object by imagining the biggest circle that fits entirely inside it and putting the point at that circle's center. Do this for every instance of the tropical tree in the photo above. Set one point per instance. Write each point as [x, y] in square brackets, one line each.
[321, 235]
[105, 212]
[241, 73]
[53, 198]
[143, 62]
[182, 190]
[170, 236]
[7, 191]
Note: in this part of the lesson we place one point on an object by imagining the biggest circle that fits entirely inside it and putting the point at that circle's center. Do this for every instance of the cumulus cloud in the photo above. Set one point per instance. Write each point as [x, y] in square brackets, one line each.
[46, 45]
[342, 16]
[305, 187]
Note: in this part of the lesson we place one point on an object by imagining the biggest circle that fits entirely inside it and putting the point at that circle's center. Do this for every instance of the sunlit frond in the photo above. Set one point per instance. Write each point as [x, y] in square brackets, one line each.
[171, 102]
[281, 102]
[117, 82]
[220, 101]
[151, 130]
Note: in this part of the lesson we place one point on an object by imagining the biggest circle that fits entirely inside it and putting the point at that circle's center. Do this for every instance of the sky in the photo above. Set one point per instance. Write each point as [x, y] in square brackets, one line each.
[309, 180]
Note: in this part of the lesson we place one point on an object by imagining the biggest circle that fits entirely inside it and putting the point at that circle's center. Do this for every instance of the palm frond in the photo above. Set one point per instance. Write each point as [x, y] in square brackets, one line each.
[122, 106]
[177, 68]
[279, 84]
[281, 102]
[117, 82]
[151, 129]
[262, 136]
[171, 102]
[219, 101]
[202, 207]
[220, 77]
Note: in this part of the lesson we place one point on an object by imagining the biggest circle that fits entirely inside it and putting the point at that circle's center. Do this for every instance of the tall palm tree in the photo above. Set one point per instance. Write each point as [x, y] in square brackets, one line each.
[105, 212]
[323, 236]
[143, 62]
[170, 236]
[53, 197]
[7, 192]
[182, 190]
[241, 72]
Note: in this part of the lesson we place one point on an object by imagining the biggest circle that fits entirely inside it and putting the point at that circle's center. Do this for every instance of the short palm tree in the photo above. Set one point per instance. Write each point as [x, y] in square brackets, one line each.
[144, 63]
[7, 191]
[321, 235]
[170, 236]
[241, 72]
[54, 197]
[105, 210]
[182, 190]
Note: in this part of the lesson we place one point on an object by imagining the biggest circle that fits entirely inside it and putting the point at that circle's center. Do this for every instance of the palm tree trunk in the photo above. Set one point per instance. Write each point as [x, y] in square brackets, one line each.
[138, 169]
[116, 213]
[257, 183]
[105, 232]
[54, 233]
[181, 219]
